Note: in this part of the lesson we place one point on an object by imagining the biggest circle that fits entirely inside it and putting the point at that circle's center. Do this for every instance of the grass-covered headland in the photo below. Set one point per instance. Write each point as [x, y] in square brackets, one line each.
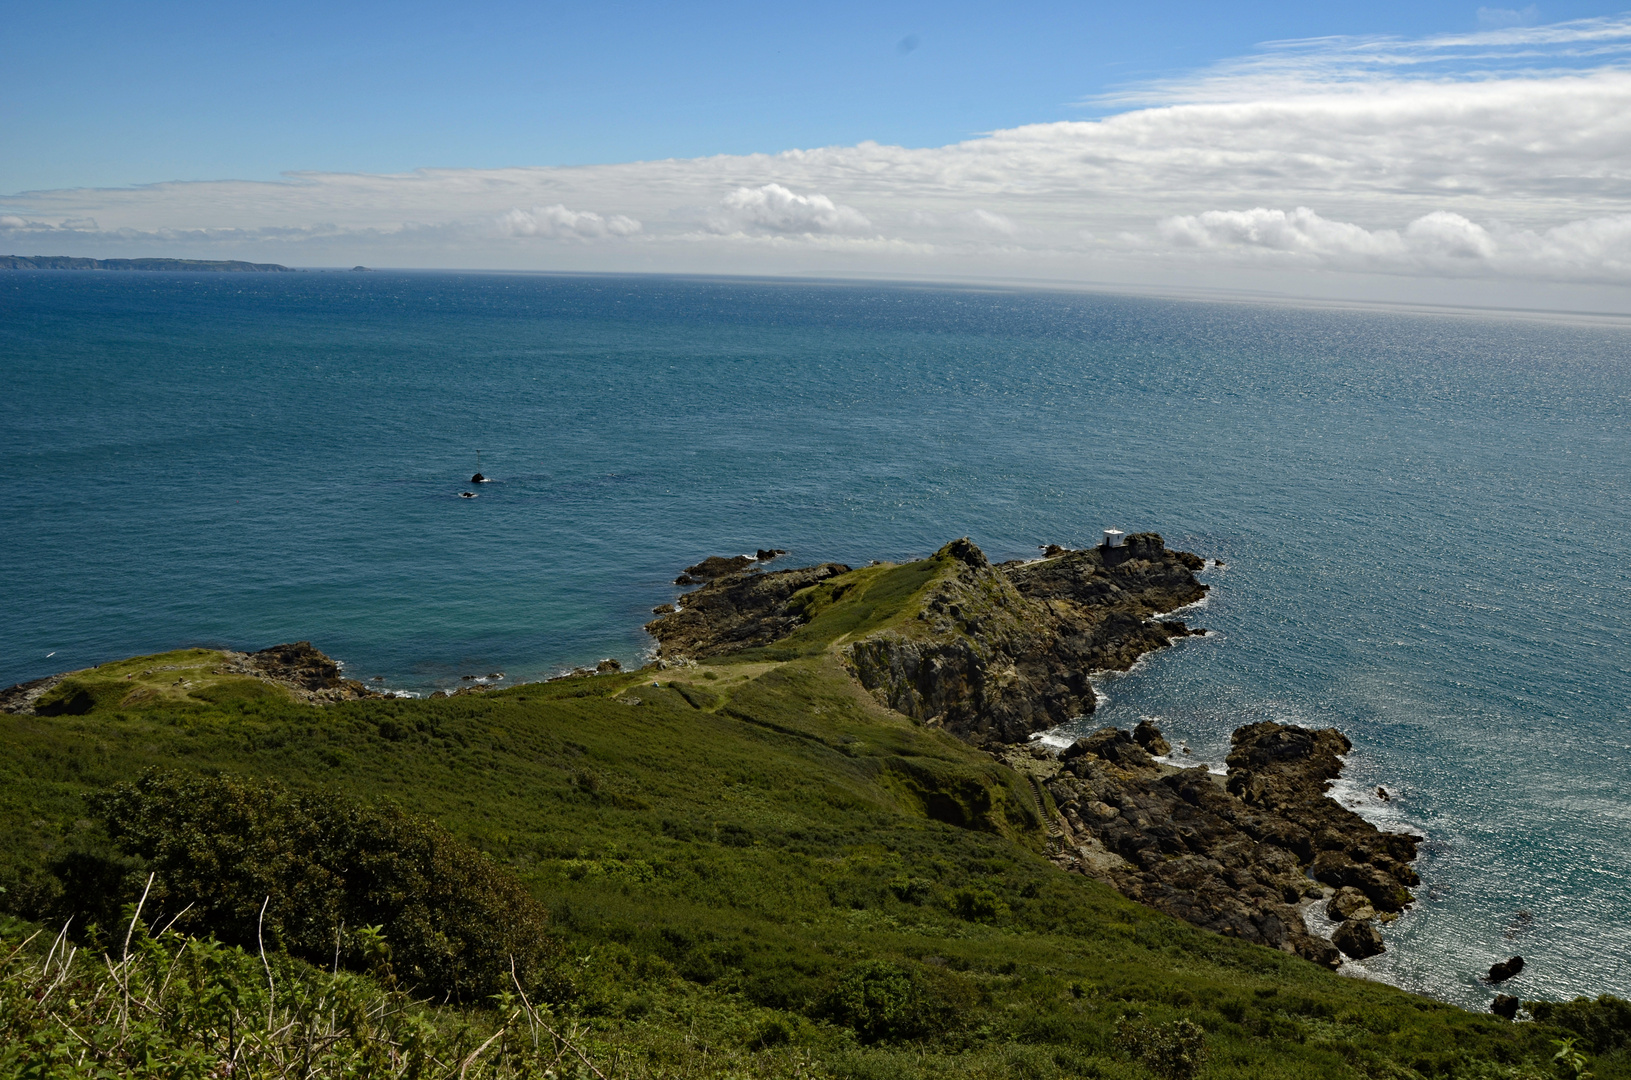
[743, 867]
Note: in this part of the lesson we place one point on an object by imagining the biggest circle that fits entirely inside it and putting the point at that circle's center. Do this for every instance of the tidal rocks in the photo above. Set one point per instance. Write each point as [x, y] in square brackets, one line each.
[1235, 855]
[1505, 969]
[1358, 938]
[1505, 1006]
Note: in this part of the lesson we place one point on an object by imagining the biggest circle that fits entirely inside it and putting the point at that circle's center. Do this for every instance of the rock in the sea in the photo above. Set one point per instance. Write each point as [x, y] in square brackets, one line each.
[1501, 972]
[1358, 938]
[478, 479]
[1147, 735]
[766, 554]
[1349, 903]
[608, 665]
[1505, 1006]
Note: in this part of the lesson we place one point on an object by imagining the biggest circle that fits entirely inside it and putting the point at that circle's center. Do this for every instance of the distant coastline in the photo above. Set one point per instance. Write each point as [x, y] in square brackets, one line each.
[68, 262]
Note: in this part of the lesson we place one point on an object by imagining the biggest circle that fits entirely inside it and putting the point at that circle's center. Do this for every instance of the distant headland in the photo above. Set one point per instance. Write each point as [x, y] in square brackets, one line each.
[69, 262]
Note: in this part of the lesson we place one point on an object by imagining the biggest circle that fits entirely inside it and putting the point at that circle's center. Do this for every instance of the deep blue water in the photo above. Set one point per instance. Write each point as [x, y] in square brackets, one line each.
[1424, 518]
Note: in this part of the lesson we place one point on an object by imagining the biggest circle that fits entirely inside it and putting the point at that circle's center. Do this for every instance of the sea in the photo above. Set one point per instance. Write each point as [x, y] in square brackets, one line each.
[1423, 518]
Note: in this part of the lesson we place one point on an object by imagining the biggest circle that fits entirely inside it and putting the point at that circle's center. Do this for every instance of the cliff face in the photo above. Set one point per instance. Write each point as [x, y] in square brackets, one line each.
[998, 653]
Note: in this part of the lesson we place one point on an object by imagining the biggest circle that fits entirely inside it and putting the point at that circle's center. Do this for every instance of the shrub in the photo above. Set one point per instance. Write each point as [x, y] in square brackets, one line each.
[979, 905]
[1172, 1051]
[883, 1000]
[1601, 1025]
[323, 867]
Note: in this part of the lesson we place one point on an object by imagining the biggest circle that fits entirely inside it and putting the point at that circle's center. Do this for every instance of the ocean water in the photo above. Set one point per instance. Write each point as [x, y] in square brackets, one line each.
[1424, 518]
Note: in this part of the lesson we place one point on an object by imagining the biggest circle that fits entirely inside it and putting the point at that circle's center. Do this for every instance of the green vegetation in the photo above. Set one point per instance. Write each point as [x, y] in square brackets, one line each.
[173, 679]
[753, 869]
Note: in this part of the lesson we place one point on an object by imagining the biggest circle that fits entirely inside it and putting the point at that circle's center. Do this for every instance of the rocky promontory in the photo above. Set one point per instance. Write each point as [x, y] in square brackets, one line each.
[998, 653]
[994, 653]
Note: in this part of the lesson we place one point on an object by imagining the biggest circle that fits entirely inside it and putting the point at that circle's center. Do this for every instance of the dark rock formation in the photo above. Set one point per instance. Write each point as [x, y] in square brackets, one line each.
[1501, 972]
[1505, 1006]
[1349, 903]
[1235, 857]
[1000, 652]
[1147, 735]
[1358, 938]
[735, 610]
[995, 654]
[608, 666]
[478, 479]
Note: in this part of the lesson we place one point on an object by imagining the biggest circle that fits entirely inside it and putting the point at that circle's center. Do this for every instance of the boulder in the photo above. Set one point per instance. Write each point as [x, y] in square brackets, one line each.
[1505, 1006]
[1358, 938]
[1349, 903]
[1149, 737]
[766, 554]
[1113, 745]
[1505, 969]
[608, 666]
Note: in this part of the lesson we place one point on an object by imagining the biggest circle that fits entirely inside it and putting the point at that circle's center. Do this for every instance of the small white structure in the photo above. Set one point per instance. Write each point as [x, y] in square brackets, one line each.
[1112, 538]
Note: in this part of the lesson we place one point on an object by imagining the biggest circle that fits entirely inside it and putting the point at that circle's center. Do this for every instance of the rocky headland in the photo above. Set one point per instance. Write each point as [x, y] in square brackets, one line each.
[996, 653]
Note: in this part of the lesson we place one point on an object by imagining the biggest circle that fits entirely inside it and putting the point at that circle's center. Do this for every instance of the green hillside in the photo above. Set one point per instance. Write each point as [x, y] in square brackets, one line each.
[757, 870]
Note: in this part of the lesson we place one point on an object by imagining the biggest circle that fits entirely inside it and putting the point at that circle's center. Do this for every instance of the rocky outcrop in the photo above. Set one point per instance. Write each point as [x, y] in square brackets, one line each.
[994, 654]
[20, 699]
[302, 669]
[1237, 855]
[1000, 652]
[737, 609]
[1503, 970]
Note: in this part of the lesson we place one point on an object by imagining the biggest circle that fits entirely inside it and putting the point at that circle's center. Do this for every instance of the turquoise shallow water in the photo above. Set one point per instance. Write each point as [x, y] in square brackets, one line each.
[1424, 518]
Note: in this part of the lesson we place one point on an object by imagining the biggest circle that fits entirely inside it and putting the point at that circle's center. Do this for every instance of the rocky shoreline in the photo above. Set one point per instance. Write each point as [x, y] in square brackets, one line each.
[996, 654]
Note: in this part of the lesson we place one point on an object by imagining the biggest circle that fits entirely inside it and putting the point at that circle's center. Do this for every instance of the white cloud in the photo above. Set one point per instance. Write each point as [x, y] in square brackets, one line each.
[558, 223]
[773, 209]
[1440, 242]
[1354, 157]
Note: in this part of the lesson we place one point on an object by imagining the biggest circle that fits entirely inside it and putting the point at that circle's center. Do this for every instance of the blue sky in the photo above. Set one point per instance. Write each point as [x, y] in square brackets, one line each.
[1448, 153]
[100, 93]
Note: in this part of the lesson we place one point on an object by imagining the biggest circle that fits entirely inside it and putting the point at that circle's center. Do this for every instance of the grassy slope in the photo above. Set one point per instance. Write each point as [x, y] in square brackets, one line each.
[720, 849]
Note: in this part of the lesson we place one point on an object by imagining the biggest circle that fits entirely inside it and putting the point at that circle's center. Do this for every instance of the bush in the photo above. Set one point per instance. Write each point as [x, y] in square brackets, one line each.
[979, 905]
[1172, 1051]
[324, 867]
[1601, 1025]
[882, 1000]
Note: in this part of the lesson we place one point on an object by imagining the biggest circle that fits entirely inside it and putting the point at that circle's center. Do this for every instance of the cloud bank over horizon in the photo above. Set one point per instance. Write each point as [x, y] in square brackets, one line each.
[1483, 165]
